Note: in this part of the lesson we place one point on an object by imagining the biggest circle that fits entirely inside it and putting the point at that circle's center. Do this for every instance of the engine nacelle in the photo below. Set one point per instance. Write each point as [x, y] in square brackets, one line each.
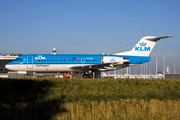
[113, 59]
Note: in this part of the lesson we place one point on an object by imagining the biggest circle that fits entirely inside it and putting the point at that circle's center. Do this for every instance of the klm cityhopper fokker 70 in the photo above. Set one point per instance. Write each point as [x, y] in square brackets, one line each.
[86, 63]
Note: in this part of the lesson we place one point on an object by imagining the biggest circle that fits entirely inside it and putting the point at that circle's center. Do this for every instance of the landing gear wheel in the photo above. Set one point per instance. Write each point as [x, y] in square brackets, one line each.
[90, 75]
[85, 76]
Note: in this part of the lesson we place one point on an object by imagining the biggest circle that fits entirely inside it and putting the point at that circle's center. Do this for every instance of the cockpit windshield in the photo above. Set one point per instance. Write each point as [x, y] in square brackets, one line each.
[18, 59]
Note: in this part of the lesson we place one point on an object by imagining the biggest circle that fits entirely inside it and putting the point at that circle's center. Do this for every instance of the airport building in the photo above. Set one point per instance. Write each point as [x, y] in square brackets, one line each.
[6, 58]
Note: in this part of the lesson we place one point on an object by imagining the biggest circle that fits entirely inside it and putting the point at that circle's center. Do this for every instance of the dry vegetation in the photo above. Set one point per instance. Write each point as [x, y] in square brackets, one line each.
[89, 99]
[130, 109]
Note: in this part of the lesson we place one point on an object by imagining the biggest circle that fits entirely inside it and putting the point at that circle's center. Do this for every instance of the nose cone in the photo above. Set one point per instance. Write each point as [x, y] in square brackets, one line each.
[12, 66]
[7, 66]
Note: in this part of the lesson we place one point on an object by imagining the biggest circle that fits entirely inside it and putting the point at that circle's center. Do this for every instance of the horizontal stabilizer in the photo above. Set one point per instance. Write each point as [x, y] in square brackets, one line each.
[157, 38]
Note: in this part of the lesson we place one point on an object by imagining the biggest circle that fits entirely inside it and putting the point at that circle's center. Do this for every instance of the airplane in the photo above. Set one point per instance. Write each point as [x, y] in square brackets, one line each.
[86, 63]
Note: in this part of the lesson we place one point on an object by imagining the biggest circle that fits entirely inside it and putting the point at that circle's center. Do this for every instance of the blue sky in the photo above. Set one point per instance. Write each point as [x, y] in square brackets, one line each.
[91, 26]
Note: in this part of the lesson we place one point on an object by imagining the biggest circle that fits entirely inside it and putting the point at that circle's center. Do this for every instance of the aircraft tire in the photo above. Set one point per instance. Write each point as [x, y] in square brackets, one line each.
[91, 75]
[85, 76]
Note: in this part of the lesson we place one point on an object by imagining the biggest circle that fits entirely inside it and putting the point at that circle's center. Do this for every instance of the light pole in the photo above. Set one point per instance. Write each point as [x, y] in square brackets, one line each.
[129, 70]
[146, 69]
[164, 65]
[174, 68]
[121, 72]
[156, 65]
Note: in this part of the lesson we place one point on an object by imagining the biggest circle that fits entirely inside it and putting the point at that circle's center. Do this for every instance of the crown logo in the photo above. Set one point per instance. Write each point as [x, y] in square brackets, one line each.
[112, 60]
[142, 44]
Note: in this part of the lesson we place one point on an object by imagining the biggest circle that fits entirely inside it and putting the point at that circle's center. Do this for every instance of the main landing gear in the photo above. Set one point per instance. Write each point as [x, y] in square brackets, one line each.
[87, 75]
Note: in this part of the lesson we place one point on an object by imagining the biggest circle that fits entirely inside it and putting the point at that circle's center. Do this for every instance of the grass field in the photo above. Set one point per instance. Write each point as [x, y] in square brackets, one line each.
[125, 109]
[89, 99]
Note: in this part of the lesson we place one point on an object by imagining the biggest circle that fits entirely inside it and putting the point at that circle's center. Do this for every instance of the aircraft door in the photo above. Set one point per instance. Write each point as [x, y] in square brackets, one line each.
[29, 62]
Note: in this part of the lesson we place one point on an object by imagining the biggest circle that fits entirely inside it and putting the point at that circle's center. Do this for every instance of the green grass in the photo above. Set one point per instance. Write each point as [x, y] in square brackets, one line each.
[114, 89]
[44, 98]
[24, 90]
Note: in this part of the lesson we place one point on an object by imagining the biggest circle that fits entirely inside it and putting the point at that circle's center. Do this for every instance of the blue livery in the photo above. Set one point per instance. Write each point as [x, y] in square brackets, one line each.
[87, 63]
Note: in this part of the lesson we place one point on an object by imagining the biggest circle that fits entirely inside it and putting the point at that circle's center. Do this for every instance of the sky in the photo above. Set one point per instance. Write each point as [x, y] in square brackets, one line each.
[91, 27]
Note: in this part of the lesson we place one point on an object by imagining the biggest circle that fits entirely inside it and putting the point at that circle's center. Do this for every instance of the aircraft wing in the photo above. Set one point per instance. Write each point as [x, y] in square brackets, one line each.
[100, 67]
[93, 67]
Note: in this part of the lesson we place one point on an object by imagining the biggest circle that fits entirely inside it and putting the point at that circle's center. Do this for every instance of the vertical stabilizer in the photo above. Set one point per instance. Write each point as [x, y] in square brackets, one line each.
[144, 46]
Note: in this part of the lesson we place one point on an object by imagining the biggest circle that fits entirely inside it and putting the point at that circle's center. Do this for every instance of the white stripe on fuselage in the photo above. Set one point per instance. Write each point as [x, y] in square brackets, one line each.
[51, 67]
[46, 67]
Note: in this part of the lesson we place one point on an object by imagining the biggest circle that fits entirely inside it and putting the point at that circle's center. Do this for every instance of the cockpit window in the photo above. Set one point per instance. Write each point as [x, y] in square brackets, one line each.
[19, 59]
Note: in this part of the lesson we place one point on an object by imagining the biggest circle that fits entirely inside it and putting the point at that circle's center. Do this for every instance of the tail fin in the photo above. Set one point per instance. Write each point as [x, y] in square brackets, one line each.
[144, 46]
